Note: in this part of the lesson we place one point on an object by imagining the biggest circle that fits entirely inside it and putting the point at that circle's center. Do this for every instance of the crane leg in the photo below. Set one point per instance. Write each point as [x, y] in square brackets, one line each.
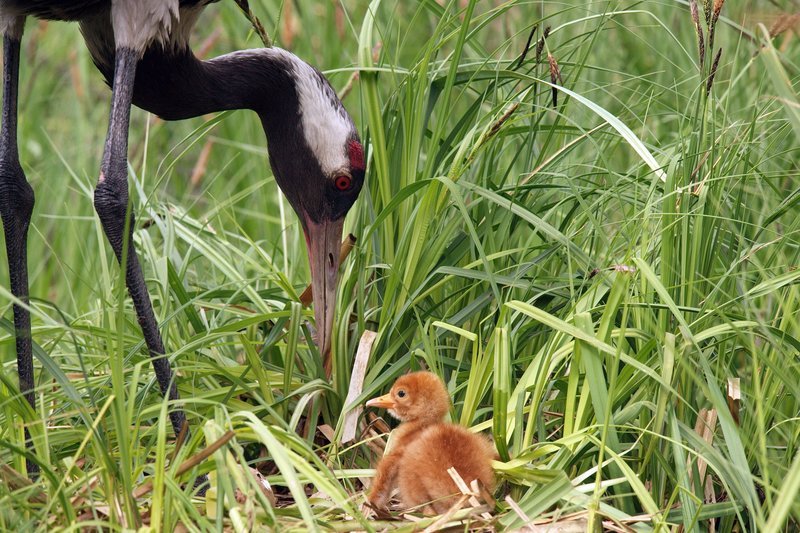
[16, 205]
[111, 204]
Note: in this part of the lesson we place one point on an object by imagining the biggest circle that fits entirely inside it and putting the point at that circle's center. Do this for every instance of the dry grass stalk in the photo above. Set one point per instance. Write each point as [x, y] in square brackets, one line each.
[263, 485]
[704, 426]
[80, 496]
[713, 72]
[518, 510]
[472, 495]
[348, 86]
[327, 432]
[374, 441]
[706, 422]
[439, 524]
[357, 385]
[701, 47]
[120, 515]
[734, 394]
[180, 440]
[16, 481]
[577, 522]
[190, 463]
[698, 185]
[555, 76]
[710, 497]
[378, 422]
[700, 165]
[608, 525]
[478, 488]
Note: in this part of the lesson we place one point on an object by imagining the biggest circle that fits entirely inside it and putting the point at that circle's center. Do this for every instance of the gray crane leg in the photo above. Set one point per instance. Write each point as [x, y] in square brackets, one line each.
[16, 206]
[111, 204]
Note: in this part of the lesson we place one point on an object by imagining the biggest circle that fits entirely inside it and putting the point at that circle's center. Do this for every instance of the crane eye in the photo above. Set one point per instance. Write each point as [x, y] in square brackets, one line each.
[342, 182]
[401, 393]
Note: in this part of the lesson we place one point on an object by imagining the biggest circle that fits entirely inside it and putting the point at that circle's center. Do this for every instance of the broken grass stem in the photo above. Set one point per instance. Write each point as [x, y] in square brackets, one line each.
[189, 463]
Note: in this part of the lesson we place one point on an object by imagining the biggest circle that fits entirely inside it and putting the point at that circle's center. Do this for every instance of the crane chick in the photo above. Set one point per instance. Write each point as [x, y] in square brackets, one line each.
[424, 447]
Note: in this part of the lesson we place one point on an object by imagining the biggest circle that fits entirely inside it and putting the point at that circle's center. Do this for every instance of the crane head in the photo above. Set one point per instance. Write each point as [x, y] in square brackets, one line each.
[318, 161]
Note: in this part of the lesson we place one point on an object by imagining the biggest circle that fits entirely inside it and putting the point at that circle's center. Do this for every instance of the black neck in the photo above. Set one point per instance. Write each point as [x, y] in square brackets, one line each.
[176, 85]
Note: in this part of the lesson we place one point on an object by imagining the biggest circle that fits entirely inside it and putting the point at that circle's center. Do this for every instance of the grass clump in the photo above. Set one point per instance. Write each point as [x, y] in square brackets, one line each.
[589, 231]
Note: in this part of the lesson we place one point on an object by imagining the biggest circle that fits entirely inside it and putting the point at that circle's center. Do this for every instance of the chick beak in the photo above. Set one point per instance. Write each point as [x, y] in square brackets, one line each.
[385, 401]
[323, 240]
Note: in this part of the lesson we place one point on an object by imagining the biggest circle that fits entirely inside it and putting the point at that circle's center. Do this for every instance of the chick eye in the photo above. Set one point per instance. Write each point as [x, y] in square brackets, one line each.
[342, 182]
[401, 394]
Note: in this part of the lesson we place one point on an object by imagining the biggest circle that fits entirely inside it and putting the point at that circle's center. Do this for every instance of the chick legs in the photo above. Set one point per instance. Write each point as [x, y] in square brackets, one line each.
[385, 481]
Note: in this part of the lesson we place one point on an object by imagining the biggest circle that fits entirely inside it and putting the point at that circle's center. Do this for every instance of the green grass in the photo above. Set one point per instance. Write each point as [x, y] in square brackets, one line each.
[587, 278]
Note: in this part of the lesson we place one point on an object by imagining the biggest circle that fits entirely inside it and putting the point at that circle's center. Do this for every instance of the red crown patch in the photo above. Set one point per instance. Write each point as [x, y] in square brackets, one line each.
[356, 154]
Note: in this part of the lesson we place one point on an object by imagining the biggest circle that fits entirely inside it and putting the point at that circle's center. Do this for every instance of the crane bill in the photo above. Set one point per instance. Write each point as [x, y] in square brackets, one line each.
[323, 240]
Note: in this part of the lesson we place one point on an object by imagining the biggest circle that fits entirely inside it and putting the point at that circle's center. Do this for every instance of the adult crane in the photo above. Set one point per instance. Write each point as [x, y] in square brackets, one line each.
[142, 49]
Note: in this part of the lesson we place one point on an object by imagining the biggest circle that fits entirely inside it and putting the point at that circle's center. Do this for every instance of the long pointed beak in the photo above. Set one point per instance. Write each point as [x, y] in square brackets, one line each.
[382, 401]
[323, 241]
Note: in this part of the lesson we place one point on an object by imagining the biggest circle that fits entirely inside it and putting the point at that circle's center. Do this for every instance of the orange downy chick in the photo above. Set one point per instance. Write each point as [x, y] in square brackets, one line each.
[424, 447]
